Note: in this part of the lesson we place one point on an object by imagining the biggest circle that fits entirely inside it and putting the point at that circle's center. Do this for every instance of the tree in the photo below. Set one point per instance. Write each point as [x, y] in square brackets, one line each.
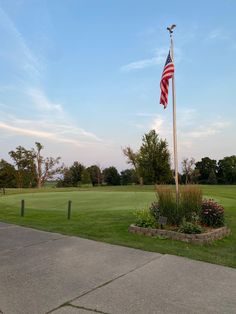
[133, 159]
[25, 170]
[188, 169]
[95, 175]
[128, 176]
[7, 175]
[74, 175]
[206, 167]
[31, 168]
[154, 159]
[111, 176]
[76, 171]
[227, 170]
[45, 167]
[212, 179]
[85, 177]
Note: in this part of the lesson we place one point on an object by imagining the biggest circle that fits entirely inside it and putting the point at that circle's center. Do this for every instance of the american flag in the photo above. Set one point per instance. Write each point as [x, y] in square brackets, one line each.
[167, 74]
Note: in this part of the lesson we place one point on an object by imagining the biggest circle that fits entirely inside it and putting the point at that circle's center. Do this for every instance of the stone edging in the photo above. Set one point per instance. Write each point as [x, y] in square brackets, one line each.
[202, 238]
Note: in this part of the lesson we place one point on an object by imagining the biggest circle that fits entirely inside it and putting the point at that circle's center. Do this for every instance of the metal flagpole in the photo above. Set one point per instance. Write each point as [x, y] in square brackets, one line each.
[170, 29]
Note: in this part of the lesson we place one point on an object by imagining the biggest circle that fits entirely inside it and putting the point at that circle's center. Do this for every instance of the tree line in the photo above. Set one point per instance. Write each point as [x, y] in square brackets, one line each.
[150, 164]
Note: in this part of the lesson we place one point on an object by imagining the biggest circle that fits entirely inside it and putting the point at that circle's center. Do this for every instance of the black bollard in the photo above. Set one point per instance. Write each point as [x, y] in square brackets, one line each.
[69, 210]
[22, 208]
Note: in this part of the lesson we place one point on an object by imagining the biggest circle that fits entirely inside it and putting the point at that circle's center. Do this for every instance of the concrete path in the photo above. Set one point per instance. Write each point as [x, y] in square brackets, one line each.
[43, 272]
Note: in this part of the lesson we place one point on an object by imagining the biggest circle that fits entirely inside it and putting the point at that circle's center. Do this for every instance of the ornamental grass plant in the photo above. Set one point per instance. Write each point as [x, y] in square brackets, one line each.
[190, 202]
[167, 205]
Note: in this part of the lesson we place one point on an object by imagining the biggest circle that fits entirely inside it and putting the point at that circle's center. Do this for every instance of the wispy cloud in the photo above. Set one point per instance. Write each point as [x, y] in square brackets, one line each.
[49, 118]
[210, 129]
[158, 59]
[56, 131]
[41, 100]
[222, 35]
[28, 60]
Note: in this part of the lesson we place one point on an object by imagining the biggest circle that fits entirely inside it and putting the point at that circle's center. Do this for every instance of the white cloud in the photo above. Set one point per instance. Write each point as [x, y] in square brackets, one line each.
[41, 100]
[50, 120]
[27, 59]
[159, 58]
[222, 35]
[210, 129]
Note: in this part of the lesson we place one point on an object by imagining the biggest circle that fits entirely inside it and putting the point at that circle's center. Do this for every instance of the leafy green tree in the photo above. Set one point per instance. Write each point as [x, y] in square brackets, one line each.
[212, 179]
[85, 177]
[206, 167]
[133, 159]
[227, 170]
[65, 180]
[111, 176]
[95, 175]
[25, 170]
[154, 159]
[73, 176]
[7, 175]
[76, 171]
[128, 176]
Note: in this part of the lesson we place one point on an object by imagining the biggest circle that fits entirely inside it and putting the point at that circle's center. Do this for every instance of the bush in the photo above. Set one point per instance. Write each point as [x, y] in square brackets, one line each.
[145, 219]
[154, 210]
[212, 213]
[167, 205]
[190, 201]
[190, 228]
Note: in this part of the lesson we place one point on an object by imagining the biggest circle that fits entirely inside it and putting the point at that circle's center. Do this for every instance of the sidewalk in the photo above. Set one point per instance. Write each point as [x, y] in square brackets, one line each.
[43, 272]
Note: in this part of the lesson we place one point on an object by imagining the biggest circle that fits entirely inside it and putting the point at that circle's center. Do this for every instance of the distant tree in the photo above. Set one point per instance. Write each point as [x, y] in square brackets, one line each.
[188, 169]
[154, 159]
[227, 170]
[65, 179]
[128, 176]
[31, 168]
[46, 168]
[7, 175]
[74, 175]
[133, 159]
[206, 167]
[76, 171]
[111, 176]
[25, 170]
[85, 177]
[212, 179]
[95, 174]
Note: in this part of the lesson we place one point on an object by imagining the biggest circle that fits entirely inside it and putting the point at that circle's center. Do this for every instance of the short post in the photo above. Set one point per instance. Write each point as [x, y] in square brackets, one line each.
[22, 208]
[69, 210]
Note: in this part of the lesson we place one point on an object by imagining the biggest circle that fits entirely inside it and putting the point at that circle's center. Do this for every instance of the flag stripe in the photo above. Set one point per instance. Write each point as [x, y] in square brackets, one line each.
[167, 74]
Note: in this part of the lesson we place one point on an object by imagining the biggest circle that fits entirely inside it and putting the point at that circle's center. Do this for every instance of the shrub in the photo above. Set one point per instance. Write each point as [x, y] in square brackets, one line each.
[154, 210]
[212, 213]
[190, 228]
[145, 219]
[167, 205]
[190, 201]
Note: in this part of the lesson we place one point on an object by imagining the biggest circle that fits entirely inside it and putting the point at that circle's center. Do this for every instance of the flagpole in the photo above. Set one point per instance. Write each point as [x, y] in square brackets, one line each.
[170, 29]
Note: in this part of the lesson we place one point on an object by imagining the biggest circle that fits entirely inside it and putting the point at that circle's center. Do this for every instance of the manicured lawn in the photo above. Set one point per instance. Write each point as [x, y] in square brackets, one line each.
[104, 214]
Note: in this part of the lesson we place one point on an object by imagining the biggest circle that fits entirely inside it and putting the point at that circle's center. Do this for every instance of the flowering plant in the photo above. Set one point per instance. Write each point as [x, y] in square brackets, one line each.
[212, 213]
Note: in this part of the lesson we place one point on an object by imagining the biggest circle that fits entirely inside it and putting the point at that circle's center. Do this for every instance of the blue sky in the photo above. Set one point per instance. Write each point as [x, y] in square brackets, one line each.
[82, 77]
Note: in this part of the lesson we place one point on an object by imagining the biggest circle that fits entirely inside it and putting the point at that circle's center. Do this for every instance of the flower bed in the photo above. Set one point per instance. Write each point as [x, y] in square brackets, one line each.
[202, 238]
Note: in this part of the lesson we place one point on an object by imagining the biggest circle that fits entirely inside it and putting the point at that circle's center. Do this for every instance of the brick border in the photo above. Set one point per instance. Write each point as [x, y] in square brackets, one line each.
[202, 238]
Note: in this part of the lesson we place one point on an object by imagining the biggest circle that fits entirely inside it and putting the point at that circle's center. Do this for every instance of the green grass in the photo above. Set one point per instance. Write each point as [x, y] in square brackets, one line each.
[104, 214]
